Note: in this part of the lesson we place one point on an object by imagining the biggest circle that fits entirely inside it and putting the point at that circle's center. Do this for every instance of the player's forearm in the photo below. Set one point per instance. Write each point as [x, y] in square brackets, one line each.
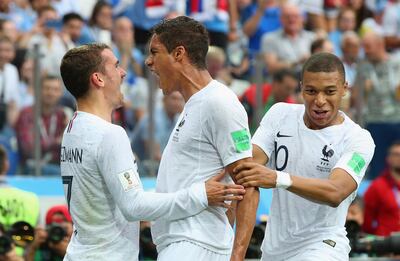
[317, 190]
[169, 206]
[245, 221]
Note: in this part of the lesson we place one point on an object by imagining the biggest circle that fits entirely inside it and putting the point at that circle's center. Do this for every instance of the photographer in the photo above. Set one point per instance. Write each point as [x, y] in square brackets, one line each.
[50, 243]
[7, 248]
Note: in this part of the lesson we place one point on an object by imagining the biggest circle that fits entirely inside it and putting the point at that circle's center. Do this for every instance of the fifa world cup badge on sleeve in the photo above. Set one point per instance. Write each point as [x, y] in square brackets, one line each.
[356, 163]
[128, 179]
[241, 139]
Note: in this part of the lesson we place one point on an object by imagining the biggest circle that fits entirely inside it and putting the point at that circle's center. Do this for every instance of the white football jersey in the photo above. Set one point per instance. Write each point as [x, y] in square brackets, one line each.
[295, 222]
[211, 133]
[105, 195]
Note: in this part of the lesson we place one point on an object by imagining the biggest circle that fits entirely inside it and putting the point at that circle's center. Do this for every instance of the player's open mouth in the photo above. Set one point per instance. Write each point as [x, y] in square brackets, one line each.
[320, 114]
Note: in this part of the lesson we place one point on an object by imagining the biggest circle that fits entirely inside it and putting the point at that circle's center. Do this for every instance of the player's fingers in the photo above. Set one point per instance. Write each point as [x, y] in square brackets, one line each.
[251, 184]
[242, 166]
[240, 191]
[233, 186]
[245, 175]
[219, 176]
[232, 198]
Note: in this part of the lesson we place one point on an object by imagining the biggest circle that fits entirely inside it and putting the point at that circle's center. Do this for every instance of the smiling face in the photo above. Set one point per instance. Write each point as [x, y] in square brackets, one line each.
[162, 65]
[322, 93]
[112, 80]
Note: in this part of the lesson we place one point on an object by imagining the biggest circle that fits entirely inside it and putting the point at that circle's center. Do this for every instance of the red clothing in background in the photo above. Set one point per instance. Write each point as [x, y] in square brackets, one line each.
[50, 139]
[382, 211]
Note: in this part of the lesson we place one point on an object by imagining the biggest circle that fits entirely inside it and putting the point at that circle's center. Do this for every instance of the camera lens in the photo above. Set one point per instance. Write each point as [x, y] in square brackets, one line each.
[56, 233]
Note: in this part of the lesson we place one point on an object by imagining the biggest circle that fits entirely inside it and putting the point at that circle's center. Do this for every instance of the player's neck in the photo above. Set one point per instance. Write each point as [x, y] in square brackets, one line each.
[91, 107]
[193, 80]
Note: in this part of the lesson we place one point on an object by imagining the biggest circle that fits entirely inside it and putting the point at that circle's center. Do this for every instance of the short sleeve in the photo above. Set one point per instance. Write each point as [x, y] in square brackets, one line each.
[357, 155]
[227, 127]
[265, 133]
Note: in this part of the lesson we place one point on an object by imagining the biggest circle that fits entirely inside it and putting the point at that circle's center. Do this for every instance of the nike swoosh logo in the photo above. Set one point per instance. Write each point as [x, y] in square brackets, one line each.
[279, 135]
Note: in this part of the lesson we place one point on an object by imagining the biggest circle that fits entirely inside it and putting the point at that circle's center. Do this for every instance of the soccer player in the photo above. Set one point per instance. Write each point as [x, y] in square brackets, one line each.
[211, 134]
[102, 186]
[318, 157]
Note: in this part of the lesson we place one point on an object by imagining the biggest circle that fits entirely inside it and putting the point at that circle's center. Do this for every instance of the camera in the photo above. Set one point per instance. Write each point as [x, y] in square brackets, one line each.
[20, 233]
[371, 245]
[55, 233]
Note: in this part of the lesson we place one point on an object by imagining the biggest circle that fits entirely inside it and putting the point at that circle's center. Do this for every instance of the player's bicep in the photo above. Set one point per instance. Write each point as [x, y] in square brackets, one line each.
[343, 181]
[230, 167]
[259, 156]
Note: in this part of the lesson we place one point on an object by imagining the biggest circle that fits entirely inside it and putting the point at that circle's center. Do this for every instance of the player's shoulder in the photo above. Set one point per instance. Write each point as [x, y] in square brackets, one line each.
[286, 109]
[218, 94]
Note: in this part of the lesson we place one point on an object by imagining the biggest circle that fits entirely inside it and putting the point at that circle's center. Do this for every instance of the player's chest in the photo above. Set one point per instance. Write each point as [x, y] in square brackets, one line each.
[305, 154]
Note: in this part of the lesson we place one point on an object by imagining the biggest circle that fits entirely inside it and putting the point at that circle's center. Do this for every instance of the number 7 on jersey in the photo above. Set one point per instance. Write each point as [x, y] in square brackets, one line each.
[67, 180]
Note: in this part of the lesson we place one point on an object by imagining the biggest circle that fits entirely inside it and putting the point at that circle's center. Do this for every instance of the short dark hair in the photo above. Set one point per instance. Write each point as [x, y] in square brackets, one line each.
[187, 32]
[282, 73]
[323, 62]
[78, 64]
[3, 158]
[71, 16]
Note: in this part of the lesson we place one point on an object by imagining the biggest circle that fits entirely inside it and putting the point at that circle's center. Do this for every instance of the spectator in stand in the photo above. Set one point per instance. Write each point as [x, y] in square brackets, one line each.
[351, 46]
[290, 46]
[101, 22]
[51, 45]
[346, 22]
[9, 95]
[382, 199]
[362, 11]
[26, 89]
[72, 24]
[51, 125]
[145, 14]
[47, 246]
[260, 18]
[376, 96]
[165, 118]
[332, 11]
[282, 89]
[391, 25]
[220, 18]
[321, 45]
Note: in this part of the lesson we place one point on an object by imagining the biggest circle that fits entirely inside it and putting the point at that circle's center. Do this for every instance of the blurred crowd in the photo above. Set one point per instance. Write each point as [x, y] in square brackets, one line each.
[274, 35]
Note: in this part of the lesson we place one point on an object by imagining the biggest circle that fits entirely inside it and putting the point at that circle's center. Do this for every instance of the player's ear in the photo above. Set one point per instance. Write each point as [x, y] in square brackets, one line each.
[97, 79]
[345, 88]
[179, 53]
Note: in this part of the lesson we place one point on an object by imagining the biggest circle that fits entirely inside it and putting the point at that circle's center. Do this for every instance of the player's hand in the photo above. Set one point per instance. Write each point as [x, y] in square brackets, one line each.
[218, 193]
[251, 174]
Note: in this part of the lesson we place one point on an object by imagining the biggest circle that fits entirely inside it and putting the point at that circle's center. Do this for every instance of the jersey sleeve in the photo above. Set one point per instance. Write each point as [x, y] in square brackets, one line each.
[118, 167]
[228, 129]
[265, 133]
[357, 156]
